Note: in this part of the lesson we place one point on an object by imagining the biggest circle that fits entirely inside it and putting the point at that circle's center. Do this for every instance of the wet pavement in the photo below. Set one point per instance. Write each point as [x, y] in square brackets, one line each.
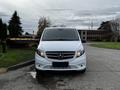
[103, 73]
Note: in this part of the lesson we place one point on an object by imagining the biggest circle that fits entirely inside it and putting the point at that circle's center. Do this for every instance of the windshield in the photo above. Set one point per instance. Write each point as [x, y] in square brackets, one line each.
[60, 35]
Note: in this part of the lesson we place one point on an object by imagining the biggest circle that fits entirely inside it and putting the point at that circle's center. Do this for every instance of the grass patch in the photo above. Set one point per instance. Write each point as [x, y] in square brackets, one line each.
[15, 56]
[109, 45]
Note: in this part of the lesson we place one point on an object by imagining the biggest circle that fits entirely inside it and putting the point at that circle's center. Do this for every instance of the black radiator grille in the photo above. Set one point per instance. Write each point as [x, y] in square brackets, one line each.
[60, 55]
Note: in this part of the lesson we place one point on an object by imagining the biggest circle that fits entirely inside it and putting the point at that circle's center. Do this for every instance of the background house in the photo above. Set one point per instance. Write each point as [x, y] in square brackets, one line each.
[95, 35]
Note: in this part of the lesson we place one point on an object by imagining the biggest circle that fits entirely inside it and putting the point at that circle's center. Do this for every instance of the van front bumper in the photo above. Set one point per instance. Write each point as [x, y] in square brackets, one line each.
[75, 64]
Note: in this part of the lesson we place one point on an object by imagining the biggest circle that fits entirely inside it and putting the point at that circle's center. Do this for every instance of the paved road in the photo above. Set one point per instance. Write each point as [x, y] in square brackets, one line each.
[103, 73]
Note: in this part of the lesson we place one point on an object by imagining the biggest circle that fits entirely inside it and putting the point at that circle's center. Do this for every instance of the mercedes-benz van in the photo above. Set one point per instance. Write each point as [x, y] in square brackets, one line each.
[60, 49]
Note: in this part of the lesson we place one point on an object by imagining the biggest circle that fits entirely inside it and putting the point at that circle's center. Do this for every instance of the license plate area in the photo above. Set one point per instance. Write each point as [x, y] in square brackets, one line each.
[60, 64]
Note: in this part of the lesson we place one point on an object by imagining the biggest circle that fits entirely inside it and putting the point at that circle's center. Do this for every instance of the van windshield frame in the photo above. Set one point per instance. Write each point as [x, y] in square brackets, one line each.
[60, 35]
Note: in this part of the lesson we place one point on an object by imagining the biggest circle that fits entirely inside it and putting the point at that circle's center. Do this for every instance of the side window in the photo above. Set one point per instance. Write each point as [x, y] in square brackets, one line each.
[84, 33]
[83, 37]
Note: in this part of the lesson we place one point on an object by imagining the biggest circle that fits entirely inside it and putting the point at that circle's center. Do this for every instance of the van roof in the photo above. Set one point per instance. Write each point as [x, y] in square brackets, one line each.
[60, 28]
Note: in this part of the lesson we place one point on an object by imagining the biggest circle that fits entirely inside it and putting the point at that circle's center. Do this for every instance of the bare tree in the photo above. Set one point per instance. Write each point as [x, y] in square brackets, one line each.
[115, 27]
[42, 24]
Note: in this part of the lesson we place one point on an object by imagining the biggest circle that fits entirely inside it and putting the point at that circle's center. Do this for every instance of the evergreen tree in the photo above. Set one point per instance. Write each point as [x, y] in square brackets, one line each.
[105, 26]
[112, 27]
[1, 26]
[3, 35]
[14, 27]
[4, 32]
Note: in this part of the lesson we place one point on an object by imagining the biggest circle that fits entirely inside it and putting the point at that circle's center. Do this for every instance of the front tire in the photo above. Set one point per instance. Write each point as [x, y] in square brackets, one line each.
[37, 72]
[83, 71]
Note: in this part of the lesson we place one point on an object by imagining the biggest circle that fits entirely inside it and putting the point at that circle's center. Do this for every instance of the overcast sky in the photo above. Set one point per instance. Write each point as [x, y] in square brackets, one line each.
[76, 13]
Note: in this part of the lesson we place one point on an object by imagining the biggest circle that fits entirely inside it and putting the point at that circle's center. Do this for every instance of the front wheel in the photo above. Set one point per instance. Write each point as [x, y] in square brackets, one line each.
[37, 72]
[83, 71]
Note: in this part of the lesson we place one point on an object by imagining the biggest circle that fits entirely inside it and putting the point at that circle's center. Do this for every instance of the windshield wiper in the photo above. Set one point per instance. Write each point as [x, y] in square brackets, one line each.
[60, 39]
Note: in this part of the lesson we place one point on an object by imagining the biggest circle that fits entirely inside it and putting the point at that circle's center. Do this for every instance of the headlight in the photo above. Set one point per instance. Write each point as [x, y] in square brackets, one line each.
[80, 53]
[41, 53]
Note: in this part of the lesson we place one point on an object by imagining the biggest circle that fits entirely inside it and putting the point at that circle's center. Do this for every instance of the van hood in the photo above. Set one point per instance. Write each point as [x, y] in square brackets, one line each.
[60, 45]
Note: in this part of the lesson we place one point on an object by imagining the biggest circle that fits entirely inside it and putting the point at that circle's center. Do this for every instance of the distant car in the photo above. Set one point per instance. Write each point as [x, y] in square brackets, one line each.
[60, 49]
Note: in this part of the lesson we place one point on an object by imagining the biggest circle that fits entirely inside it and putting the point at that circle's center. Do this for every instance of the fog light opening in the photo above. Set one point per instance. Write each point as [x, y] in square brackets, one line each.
[39, 65]
[81, 65]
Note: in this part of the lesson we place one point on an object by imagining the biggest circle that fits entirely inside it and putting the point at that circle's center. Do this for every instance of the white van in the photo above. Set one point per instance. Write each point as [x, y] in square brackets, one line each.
[60, 49]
